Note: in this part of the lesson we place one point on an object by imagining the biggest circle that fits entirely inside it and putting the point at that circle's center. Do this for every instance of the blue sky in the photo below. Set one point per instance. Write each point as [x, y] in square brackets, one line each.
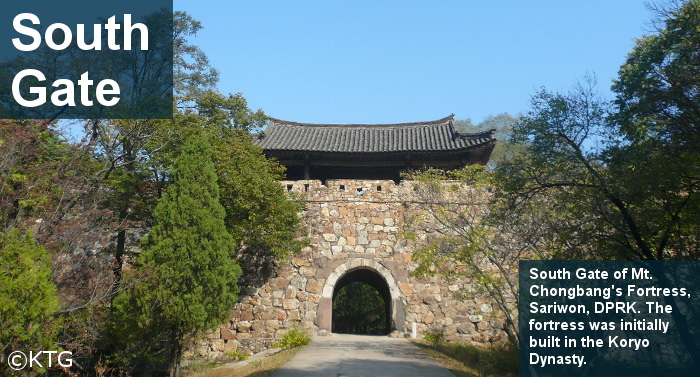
[402, 61]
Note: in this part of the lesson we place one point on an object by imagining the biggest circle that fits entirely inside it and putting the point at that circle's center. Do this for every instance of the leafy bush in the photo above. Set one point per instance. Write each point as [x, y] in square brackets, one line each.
[295, 337]
[238, 355]
[436, 335]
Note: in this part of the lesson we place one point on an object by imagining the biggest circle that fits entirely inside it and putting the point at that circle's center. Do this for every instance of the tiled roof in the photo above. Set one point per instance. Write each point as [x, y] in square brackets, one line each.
[432, 136]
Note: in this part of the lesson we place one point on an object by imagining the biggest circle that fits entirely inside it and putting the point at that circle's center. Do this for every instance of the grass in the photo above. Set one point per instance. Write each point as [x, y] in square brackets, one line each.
[470, 361]
[258, 368]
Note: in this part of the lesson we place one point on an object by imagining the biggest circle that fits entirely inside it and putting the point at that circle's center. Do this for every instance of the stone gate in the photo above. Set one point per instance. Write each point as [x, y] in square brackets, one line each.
[355, 228]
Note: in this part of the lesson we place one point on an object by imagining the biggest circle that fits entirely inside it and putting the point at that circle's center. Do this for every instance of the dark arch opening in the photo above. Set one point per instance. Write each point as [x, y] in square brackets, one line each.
[361, 304]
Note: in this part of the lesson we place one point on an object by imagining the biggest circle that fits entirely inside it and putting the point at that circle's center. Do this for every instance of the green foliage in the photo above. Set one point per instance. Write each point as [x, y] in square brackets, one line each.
[435, 335]
[259, 214]
[186, 278]
[470, 234]
[658, 119]
[238, 355]
[295, 337]
[657, 89]
[610, 198]
[358, 308]
[617, 182]
[503, 126]
[193, 75]
[28, 300]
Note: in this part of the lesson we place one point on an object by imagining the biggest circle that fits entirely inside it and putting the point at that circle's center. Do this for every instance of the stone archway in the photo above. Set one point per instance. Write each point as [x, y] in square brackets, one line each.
[324, 315]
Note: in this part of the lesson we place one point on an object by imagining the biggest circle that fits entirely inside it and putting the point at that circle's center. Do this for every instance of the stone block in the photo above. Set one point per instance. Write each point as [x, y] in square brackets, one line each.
[243, 326]
[466, 328]
[271, 326]
[201, 350]
[314, 286]
[279, 283]
[257, 327]
[476, 318]
[406, 288]
[264, 292]
[290, 292]
[267, 314]
[289, 303]
[214, 334]
[231, 346]
[302, 262]
[217, 345]
[227, 334]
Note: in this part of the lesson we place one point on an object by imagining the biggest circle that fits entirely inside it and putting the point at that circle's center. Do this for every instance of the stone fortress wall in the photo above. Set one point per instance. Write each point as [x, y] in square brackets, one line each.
[353, 225]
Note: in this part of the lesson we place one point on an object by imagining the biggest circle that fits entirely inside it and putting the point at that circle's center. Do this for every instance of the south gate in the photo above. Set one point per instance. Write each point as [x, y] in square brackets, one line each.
[356, 207]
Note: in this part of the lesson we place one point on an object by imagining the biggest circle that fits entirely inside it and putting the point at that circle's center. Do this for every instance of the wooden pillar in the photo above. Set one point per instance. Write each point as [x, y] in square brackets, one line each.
[307, 169]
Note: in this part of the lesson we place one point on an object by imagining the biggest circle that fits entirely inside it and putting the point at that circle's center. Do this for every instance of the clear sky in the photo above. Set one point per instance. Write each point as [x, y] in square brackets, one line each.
[402, 61]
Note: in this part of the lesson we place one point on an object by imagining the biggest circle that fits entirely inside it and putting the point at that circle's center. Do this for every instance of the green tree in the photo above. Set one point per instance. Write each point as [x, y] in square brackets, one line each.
[658, 119]
[186, 277]
[358, 308]
[614, 195]
[28, 300]
[658, 89]
[503, 124]
[472, 233]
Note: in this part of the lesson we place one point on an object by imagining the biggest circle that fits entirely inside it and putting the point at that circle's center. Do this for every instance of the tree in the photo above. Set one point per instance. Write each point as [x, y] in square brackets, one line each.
[614, 193]
[28, 300]
[47, 186]
[358, 308]
[658, 89]
[503, 124]
[186, 277]
[658, 119]
[473, 234]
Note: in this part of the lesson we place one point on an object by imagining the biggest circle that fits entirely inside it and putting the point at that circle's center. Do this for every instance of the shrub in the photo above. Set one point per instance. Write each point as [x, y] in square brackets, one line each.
[436, 335]
[238, 355]
[295, 337]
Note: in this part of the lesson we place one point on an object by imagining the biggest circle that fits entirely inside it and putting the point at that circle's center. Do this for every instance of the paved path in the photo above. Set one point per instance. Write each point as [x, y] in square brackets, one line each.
[340, 355]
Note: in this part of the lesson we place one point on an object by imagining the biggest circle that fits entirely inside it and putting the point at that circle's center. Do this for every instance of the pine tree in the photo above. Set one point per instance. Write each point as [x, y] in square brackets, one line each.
[186, 277]
[28, 298]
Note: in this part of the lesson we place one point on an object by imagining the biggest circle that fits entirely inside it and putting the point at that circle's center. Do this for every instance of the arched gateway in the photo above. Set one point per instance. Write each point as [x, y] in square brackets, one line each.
[368, 271]
[348, 175]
